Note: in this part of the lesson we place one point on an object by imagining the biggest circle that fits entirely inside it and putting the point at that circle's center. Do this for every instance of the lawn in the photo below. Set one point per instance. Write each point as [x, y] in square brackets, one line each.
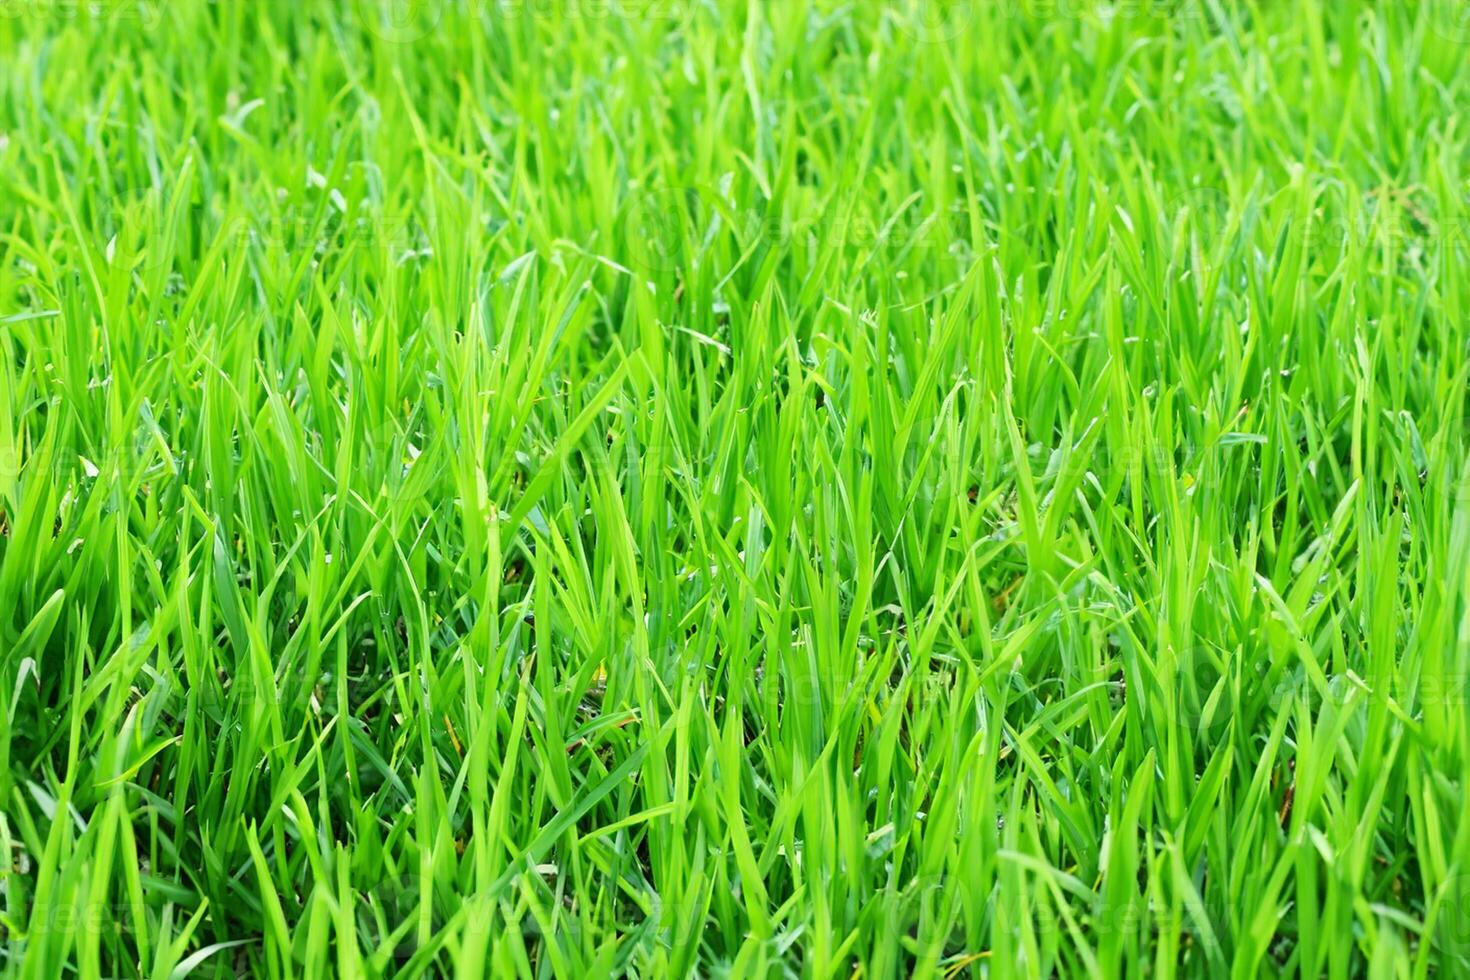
[734, 488]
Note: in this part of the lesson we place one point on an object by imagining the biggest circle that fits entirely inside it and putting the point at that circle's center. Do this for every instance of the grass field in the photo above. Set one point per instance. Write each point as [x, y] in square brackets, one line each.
[574, 488]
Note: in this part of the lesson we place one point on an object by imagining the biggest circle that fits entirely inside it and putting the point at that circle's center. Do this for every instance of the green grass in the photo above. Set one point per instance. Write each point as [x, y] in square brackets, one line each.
[707, 487]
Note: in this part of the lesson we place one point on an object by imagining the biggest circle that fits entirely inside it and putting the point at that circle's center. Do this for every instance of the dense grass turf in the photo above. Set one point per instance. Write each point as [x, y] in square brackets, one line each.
[746, 489]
